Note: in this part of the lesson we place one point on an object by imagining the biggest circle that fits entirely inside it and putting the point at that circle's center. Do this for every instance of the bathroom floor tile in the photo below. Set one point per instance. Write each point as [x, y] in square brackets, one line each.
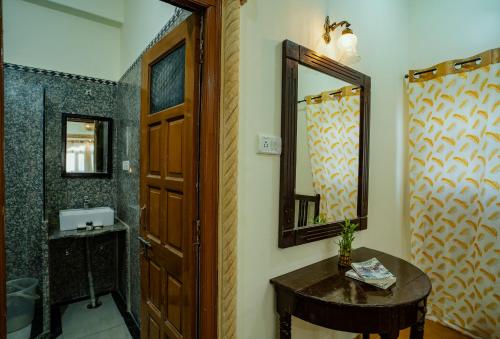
[80, 322]
[118, 332]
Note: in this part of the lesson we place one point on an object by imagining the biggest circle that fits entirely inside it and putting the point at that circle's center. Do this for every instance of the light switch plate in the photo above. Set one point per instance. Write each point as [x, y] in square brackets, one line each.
[269, 144]
[126, 165]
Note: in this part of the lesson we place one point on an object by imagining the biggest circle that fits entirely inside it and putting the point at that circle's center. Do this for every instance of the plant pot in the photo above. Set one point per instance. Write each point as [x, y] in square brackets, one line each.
[345, 259]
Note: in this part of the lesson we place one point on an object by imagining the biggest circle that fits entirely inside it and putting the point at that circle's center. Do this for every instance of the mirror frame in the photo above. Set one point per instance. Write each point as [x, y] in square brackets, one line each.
[293, 55]
[108, 174]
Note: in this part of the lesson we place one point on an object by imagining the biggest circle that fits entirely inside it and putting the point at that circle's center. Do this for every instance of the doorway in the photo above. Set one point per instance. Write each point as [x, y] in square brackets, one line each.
[169, 183]
[207, 163]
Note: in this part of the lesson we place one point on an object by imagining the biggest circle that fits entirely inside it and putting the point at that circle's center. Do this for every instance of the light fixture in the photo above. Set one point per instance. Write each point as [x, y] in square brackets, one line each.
[347, 42]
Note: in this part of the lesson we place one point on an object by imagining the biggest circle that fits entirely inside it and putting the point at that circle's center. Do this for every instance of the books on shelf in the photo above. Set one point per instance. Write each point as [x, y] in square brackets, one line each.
[372, 272]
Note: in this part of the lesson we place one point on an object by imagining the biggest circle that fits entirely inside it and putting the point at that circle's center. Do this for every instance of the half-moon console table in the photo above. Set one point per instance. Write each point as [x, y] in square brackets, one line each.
[321, 294]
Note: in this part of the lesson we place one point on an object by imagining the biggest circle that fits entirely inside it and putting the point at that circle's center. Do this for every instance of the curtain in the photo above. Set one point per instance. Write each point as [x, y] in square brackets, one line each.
[333, 143]
[454, 134]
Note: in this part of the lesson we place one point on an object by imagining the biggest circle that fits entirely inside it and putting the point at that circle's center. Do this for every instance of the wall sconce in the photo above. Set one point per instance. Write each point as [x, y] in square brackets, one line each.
[347, 42]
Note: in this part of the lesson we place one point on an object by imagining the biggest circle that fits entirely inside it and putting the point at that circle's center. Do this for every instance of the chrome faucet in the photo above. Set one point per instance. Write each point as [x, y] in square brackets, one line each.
[85, 201]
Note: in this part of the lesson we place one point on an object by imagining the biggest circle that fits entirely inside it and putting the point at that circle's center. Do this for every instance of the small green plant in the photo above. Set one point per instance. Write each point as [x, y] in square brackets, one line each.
[320, 219]
[346, 237]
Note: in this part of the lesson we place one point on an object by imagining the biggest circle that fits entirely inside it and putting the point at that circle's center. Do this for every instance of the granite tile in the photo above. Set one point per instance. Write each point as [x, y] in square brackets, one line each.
[23, 173]
[128, 106]
[26, 235]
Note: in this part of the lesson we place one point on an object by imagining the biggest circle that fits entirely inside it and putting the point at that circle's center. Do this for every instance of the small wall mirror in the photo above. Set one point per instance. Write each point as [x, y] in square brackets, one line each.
[86, 146]
[324, 163]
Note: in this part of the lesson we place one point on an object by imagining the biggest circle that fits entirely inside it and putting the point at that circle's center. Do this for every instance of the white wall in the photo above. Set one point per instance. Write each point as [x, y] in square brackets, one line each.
[264, 25]
[451, 29]
[142, 21]
[37, 36]
[109, 9]
[93, 38]
[394, 36]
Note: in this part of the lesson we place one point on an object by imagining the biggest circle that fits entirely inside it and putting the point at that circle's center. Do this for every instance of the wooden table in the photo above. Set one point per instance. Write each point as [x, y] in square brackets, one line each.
[321, 294]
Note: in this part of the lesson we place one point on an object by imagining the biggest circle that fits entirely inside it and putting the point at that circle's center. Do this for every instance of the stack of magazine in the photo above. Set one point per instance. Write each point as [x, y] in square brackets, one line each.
[372, 272]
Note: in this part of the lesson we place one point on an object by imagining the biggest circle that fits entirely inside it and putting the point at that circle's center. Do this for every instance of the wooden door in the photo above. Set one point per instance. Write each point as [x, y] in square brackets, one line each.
[169, 143]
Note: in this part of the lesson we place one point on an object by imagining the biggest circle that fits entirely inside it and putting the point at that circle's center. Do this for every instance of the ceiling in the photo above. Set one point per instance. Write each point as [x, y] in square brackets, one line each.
[109, 12]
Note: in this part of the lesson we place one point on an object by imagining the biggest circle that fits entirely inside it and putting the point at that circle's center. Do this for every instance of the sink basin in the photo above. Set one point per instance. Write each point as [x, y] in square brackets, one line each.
[99, 216]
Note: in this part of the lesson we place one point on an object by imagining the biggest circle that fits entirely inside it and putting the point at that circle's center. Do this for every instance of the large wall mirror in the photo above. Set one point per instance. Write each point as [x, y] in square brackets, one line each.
[325, 133]
[86, 146]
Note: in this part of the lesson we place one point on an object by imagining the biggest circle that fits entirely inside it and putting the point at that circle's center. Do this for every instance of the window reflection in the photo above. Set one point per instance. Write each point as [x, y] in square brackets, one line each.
[87, 142]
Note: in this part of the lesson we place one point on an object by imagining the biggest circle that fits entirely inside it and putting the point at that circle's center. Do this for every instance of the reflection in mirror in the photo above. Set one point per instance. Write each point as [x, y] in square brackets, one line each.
[328, 128]
[86, 146]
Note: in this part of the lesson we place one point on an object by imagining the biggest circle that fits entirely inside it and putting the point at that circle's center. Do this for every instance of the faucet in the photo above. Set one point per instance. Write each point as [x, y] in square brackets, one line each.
[85, 201]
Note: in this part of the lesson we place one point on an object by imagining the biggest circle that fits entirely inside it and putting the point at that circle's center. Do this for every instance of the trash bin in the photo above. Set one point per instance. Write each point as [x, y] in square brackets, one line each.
[21, 297]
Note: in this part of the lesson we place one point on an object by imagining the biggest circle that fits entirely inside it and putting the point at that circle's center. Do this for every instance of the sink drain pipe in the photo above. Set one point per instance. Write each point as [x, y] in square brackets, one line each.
[94, 302]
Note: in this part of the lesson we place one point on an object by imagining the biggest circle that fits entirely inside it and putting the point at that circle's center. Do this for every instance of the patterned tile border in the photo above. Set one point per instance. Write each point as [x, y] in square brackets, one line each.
[59, 74]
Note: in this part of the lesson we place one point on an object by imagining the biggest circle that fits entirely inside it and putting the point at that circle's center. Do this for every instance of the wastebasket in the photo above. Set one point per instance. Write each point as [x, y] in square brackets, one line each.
[21, 297]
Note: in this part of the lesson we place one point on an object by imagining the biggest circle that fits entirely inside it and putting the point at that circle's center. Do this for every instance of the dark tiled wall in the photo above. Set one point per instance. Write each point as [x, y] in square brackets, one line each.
[26, 235]
[24, 111]
[128, 118]
[23, 174]
[79, 97]
[88, 98]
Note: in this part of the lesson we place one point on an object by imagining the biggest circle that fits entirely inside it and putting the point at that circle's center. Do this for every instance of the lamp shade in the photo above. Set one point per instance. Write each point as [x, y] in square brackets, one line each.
[347, 45]
[348, 42]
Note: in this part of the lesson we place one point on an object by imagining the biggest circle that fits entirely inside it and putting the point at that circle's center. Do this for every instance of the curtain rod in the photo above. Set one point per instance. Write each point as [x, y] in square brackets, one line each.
[331, 93]
[474, 62]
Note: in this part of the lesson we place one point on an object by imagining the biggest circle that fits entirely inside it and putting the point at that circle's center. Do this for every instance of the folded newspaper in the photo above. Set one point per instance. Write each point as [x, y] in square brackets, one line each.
[372, 272]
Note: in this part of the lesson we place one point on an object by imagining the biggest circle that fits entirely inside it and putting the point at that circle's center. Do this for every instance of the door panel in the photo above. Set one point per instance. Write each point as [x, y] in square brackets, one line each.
[174, 220]
[154, 212]
[154, 149]
[174, 146]
[168, 184]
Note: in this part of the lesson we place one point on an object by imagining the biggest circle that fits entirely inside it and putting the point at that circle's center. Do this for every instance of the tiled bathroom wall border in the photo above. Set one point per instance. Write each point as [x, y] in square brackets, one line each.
[58, 74]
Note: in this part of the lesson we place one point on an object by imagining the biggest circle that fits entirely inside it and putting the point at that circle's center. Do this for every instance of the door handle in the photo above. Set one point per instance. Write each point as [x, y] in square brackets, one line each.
[144, 242]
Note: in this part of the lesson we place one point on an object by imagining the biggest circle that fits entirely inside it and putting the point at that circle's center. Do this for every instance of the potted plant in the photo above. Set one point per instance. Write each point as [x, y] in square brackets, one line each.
[345, 243]
[320, 219]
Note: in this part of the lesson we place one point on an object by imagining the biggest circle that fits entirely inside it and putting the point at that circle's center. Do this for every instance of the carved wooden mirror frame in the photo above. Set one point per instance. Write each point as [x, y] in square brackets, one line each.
[293, 55]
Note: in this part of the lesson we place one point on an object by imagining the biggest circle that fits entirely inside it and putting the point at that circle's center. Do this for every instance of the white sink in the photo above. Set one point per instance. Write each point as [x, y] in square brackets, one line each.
[99, 216]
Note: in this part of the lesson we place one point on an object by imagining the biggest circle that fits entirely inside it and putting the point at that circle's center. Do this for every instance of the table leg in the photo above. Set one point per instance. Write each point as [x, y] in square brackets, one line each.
[285, 326]
[417, 330]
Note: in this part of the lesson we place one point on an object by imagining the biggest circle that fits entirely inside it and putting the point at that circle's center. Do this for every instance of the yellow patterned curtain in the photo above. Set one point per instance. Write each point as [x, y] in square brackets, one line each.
[454, 135]
[333, 143]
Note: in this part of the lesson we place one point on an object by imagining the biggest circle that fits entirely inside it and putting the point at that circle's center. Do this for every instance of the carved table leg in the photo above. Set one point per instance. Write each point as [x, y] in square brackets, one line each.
[417, 330]
[285, 326]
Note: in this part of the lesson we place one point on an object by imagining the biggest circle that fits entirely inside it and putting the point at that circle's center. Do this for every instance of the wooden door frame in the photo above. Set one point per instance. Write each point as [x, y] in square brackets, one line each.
[209, 159]
[209, 165]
